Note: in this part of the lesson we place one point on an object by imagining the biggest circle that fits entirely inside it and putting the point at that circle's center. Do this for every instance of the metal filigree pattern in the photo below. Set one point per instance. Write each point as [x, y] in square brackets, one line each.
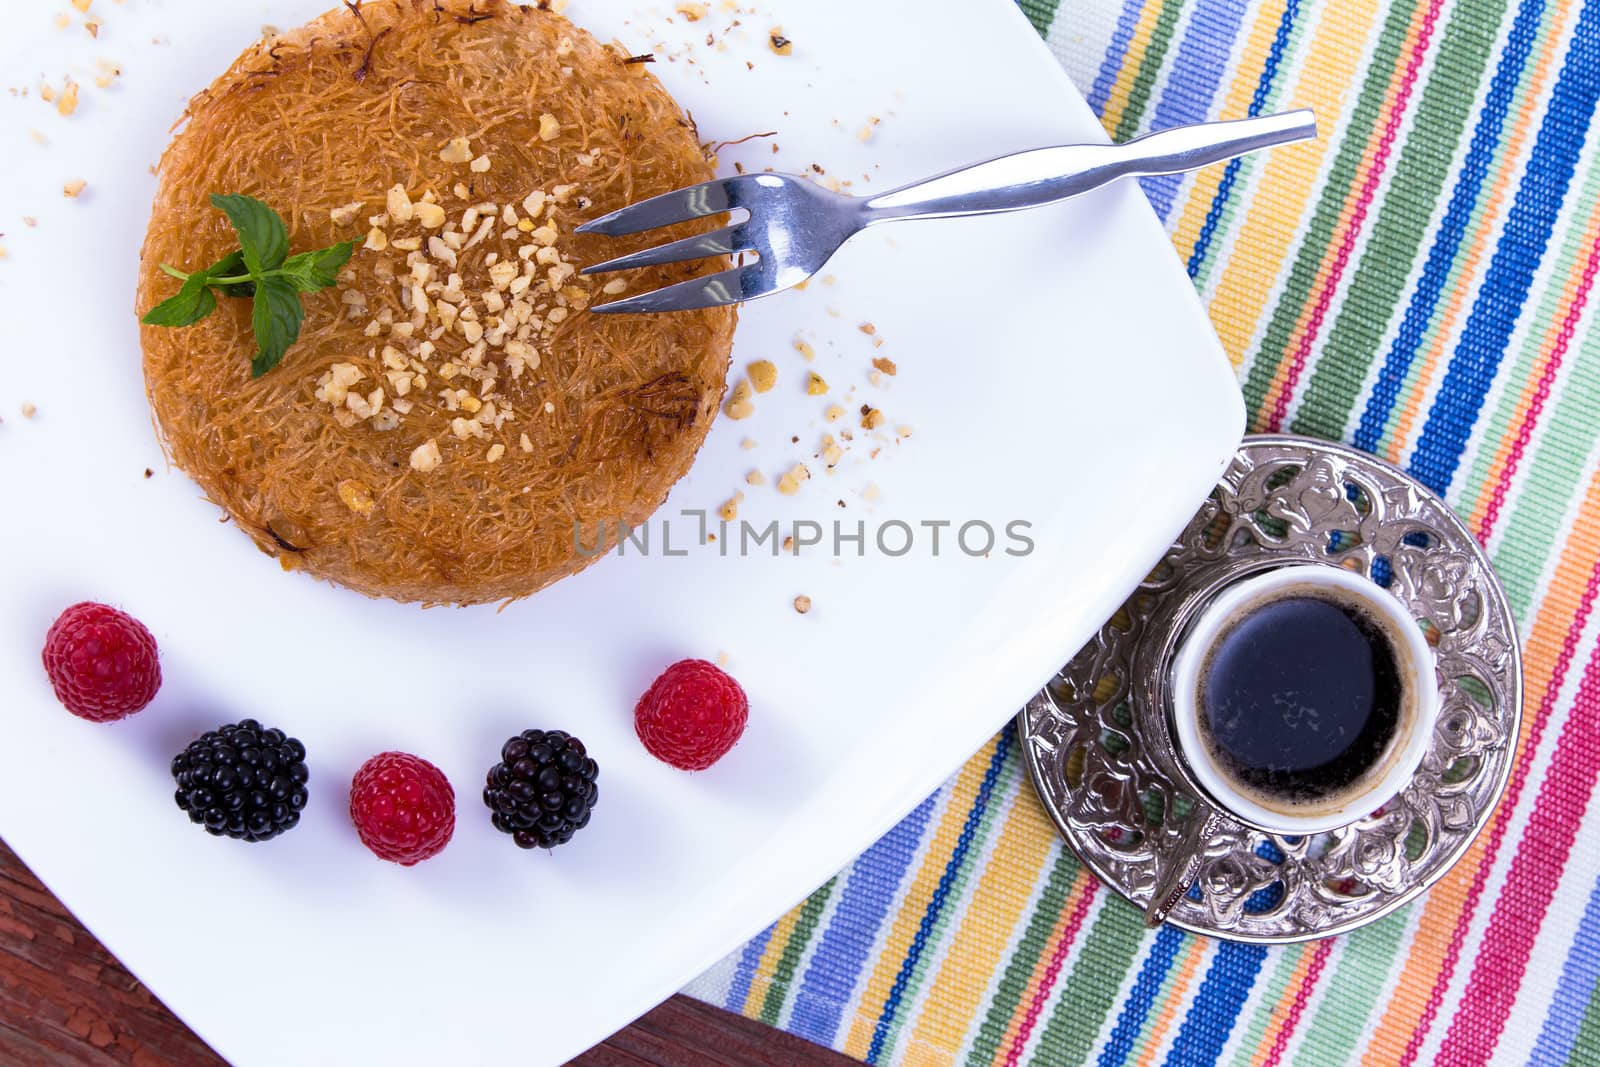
[1099, 750]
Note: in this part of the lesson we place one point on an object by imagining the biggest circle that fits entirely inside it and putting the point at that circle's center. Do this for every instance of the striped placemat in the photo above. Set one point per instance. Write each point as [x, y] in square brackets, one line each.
[1418, 283]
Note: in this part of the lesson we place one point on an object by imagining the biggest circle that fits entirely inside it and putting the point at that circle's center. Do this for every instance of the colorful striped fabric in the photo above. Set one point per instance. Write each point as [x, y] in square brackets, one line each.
[1417, 282]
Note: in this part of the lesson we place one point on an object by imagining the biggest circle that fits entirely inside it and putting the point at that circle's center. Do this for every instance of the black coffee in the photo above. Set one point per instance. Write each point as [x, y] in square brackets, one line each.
[1300, 698]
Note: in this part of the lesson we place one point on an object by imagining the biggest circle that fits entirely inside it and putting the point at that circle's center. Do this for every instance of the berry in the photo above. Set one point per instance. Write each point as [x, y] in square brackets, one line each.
[242, 781]
[692, 715]
[102, 662]
[403, 807]
[543, 788]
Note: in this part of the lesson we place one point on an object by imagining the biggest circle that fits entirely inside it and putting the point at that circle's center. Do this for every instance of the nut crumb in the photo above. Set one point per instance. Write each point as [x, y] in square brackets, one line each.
[549, 127]
[730, 507]
[789, 483]
[693, 12]
[356, 496]
[346, 214]
[763, 375]
[738, 405]
[29, 411]
[805, 349]
[67, 102]
[885, 365]
[779, 44]
[834, 413]
[457, 150]
[74, 188]
[871, 417]
[425, 457]
[802, 603]
[816, 385]
[756, 478]
[747, 444]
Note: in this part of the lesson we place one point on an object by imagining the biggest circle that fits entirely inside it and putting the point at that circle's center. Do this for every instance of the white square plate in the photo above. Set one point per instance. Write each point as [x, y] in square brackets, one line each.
[1056, 369]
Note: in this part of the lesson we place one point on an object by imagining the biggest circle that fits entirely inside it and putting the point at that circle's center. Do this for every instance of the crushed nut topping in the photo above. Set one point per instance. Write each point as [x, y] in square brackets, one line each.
[425, 457]
[791, 480]
[67, 102]
[738, 405]
[802, 603]
[763, 375]
[346, 214]
[356, 496]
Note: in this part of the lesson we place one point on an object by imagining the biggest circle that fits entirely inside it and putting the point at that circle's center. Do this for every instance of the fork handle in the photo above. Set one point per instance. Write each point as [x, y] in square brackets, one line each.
[1046, 175]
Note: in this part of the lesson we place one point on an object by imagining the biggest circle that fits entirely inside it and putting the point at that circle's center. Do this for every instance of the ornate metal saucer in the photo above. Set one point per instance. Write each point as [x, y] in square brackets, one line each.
[1100, 754]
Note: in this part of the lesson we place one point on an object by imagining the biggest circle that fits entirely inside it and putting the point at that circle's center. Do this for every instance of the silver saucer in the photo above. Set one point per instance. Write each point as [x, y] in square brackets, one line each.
[1099, 751]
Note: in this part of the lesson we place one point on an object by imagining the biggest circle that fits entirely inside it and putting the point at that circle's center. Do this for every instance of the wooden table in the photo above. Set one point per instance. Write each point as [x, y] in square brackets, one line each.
[65, 1000]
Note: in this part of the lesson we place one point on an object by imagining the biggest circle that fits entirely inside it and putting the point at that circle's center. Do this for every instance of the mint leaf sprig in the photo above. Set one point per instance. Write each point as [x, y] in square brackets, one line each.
[260, 270]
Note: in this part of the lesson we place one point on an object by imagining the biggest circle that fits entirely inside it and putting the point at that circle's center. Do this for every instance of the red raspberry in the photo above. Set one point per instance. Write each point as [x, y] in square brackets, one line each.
[102, 662]
[403, 807]
[692, 715]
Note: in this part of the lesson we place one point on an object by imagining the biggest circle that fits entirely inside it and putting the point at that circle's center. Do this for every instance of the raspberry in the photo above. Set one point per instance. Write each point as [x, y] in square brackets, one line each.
[692, 715]
[102, 662]
[403, 807]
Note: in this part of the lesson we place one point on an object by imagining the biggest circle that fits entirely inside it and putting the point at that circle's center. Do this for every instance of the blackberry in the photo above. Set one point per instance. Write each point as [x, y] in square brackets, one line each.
[242, 781]
[543, 788]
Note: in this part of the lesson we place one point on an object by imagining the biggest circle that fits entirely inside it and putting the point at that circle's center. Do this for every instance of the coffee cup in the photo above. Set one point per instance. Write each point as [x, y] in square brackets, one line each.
[1303, 699]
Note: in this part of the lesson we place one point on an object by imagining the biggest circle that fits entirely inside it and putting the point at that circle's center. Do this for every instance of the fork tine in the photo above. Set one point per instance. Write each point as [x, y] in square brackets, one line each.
[712, 290]
[719, 242]
[680, 205]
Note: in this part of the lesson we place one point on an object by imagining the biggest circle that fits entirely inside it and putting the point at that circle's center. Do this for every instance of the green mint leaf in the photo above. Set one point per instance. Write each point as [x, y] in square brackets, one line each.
[311, 271]
[231, 266]
[276, 318]
[263, 238]
[192, 303]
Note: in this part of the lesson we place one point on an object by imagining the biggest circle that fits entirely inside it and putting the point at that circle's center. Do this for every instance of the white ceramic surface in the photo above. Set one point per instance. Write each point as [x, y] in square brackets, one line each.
[1417, 716]
[1055, 366]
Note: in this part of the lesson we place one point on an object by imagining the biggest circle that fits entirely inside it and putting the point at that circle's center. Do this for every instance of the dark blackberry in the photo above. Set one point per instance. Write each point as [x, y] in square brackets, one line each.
[242, 781]
[543, 788]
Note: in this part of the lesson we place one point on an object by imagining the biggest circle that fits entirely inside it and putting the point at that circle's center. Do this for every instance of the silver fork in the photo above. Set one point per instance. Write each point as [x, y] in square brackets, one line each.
[793, 225]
